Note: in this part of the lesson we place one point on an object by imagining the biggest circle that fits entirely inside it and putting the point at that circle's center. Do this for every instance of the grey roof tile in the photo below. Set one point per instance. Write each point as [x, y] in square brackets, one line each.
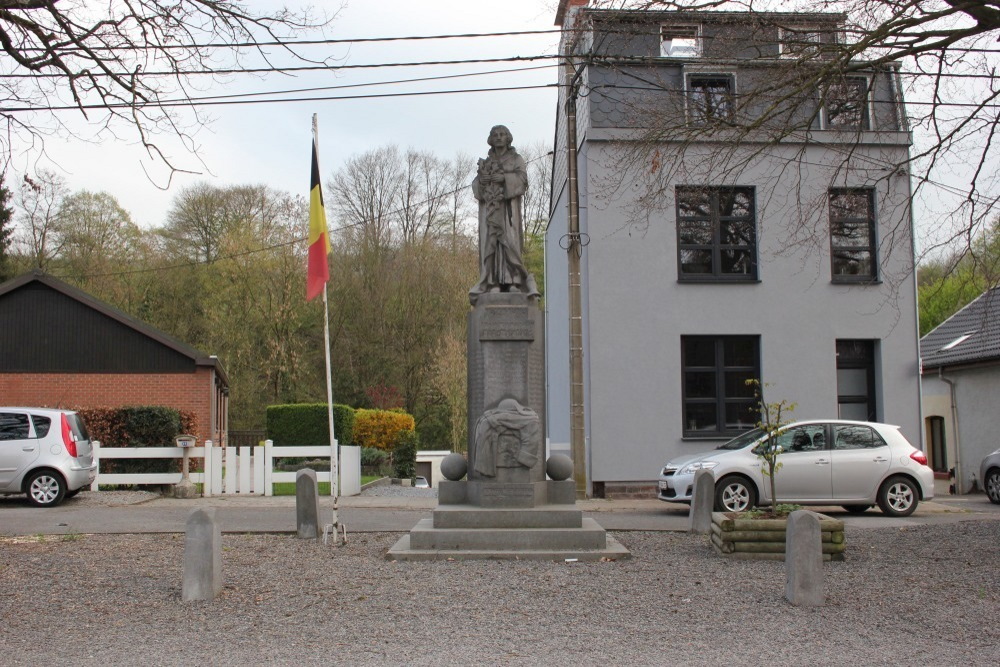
[971, 335]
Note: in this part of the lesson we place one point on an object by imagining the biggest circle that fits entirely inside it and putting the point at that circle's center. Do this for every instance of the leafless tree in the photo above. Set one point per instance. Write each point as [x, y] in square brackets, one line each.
[39, 200]
[129, 64]
[946, 55]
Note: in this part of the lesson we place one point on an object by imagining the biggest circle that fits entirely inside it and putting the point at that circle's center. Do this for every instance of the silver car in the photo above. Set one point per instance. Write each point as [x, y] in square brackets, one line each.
[989, 472]
[44, 453]
[837, 462]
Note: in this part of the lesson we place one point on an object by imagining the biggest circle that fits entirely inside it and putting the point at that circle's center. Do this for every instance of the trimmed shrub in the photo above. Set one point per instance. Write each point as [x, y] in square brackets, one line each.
[306, 424]
[138, 426]
[404, 455]
[374, 461]
[380, 428]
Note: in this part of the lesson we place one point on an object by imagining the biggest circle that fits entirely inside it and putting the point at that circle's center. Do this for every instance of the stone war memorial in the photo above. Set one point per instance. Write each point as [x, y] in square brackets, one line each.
[506, 500]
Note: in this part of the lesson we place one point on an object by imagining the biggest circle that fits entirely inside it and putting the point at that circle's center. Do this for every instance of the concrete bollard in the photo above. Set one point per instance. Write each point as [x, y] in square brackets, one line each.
[202, 557]
[702, 503]
[804, 560]
[307, 504]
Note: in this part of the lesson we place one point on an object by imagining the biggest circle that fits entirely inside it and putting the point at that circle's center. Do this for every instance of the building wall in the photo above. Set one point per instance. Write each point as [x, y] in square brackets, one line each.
[975, 397]
[638, 312]
[189, 392]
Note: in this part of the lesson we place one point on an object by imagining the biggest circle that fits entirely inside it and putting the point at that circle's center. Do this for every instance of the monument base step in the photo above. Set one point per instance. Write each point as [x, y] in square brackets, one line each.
[589, 536]
[612, 550]
[470, 516]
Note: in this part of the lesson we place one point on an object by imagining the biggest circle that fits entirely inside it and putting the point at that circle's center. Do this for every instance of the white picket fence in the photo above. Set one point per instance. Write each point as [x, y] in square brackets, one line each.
[231, 470]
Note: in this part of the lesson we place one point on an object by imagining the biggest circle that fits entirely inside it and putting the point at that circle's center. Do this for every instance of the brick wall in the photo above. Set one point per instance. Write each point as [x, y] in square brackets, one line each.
[624, 490]
[190, 392]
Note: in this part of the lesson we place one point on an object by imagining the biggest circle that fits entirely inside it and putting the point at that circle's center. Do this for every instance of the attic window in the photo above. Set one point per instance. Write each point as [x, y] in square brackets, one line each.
[680, 41]
[958, 341]
[800, 42]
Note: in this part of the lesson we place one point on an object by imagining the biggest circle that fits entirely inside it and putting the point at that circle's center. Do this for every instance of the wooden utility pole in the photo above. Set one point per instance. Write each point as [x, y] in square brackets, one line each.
[574, 249]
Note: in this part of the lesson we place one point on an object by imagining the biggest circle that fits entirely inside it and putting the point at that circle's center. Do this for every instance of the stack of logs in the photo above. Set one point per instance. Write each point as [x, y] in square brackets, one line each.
[764, 539]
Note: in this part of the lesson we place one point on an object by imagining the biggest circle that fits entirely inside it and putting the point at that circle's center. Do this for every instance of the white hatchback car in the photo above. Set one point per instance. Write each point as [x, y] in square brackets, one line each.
[44, 453]
[848, 463]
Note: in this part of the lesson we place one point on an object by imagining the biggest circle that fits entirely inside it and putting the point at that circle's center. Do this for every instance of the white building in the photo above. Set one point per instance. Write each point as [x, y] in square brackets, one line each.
[716, 251]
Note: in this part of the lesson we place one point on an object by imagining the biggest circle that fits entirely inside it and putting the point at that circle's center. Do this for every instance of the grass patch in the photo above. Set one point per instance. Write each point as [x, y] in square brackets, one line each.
[288, 488]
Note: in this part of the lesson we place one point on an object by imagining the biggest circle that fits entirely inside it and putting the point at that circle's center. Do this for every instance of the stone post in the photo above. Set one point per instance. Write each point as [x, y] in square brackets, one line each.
[804, 560]
[307, 504]
[202, 557]
[702, 503]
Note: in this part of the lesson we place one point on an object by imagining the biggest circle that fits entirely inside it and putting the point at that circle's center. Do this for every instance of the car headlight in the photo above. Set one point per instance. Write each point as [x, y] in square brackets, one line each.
[698, 465]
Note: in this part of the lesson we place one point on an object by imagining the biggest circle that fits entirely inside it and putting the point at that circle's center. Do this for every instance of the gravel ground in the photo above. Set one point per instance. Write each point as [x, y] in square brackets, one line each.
[925, 595]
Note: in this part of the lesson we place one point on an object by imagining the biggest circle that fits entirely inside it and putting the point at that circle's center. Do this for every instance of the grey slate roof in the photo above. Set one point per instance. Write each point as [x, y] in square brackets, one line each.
[977, 330]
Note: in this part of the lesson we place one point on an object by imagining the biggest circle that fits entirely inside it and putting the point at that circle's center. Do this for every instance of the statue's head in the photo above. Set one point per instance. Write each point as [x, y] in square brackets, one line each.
[500, 136]
[508, 405]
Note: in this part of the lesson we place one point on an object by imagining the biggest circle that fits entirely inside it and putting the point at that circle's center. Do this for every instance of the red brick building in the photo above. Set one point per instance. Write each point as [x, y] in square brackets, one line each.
[61, 347]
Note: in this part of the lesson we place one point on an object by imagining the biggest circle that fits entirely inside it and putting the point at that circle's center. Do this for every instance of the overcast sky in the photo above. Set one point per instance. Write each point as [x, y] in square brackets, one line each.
[269, 143]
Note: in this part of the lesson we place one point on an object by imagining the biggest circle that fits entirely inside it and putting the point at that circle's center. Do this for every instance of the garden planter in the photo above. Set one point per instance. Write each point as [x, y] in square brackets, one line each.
[764, 539]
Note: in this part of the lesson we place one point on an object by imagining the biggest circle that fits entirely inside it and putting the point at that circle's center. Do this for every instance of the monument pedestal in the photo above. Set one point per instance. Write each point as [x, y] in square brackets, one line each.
[492, 520]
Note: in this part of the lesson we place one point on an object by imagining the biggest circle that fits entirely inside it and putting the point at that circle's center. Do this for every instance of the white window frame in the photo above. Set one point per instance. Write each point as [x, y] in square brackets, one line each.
[806, 33]
[867, 123]
[695, 29]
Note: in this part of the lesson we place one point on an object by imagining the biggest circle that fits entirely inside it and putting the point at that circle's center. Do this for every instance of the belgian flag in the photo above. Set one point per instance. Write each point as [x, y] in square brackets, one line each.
[318, 272]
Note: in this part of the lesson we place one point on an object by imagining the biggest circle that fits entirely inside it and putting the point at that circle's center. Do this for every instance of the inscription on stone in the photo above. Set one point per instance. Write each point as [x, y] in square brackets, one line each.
[497, 491]
[507, 323]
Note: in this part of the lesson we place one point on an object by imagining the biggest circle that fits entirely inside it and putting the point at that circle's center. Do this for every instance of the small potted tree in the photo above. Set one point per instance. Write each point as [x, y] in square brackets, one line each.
[760, 534]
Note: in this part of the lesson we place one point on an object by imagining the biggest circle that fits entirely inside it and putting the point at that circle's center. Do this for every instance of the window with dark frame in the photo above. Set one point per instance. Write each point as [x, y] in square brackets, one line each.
[716, 234]
[852, 235]
[846, 104]
[856, 380]
[710, 98]
[716, 398]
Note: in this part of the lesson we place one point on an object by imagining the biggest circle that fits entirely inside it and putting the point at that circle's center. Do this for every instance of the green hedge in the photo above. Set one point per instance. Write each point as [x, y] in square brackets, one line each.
[404, 455]
[306, 424]
[137, 426]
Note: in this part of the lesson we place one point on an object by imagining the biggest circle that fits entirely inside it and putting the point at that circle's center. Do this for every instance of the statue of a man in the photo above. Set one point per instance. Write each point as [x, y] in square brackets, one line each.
[508, 436]
[500, 183]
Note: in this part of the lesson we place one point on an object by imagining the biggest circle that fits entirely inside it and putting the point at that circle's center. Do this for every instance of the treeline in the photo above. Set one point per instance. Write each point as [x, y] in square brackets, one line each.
[948, 283]
[225, 273]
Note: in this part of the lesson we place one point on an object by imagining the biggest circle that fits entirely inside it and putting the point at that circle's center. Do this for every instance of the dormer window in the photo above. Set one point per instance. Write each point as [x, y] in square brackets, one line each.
[800, 42]
[680, 41]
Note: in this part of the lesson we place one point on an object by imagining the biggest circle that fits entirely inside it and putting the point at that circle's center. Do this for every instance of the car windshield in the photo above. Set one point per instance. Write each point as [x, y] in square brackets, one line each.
[742, 440]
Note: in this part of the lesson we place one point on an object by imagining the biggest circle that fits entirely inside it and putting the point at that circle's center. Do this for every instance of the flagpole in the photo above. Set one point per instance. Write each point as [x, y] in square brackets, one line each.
[334, 449]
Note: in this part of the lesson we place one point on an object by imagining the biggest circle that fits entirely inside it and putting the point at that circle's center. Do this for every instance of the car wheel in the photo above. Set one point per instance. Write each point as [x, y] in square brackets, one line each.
[898, 496]
[993, 485]
[45, 488]
[856, 509]
[734, 494]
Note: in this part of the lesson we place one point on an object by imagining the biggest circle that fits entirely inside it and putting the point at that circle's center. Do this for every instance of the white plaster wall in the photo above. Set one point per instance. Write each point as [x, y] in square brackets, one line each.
[976, 390]
[638, 311]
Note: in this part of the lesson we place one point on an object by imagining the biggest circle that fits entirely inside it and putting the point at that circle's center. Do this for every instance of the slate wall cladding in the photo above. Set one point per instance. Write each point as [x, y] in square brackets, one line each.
[182, 391]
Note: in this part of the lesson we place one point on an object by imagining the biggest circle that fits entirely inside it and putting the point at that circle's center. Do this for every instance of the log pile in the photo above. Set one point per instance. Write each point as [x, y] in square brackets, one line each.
[764, 539]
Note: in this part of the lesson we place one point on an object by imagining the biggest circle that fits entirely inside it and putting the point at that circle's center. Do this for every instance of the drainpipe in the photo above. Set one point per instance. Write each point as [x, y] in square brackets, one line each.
[954, 420]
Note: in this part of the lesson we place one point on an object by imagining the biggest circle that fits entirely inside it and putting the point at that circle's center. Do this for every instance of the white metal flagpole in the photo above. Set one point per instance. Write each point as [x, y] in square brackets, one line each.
[334, 449]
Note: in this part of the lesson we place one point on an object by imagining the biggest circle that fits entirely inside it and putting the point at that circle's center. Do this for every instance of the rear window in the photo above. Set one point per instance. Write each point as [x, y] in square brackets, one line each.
[78, 427]
[42, 425]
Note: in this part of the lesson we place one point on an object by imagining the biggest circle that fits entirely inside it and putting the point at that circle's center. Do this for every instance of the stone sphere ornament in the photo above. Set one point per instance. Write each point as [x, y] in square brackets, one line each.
[454, 467]
[559, 467]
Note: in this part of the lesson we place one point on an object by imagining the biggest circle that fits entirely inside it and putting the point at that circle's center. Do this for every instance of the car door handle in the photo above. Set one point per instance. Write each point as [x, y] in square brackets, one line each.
[880, 459]
[822, 462]
[27, 449]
